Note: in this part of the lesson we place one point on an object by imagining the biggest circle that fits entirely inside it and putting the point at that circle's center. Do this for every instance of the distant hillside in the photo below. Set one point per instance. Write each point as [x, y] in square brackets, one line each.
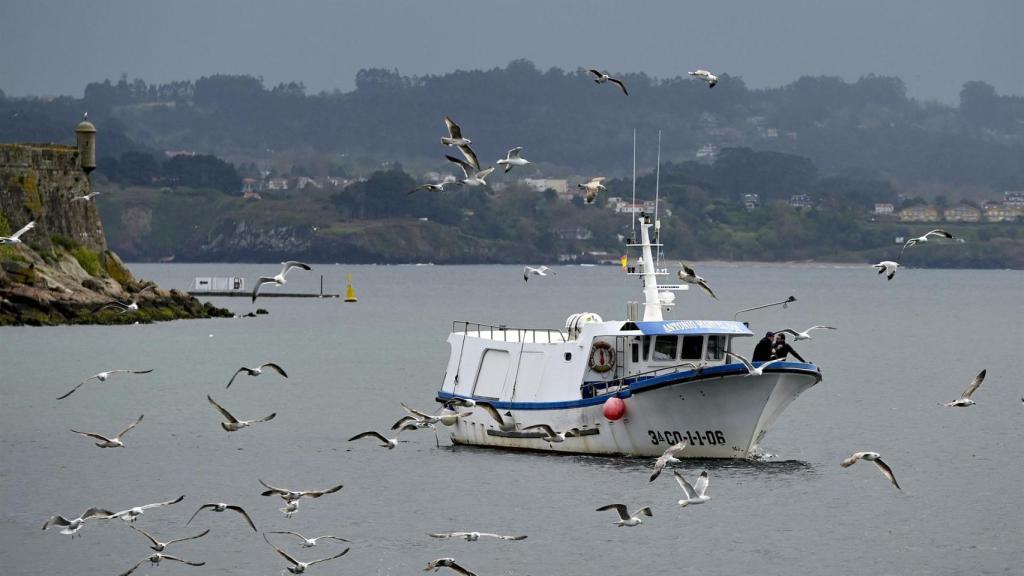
[867, 128]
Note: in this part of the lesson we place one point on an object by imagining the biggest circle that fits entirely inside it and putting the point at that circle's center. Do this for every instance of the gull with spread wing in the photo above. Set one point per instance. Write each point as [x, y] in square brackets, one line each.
[221, 507]
[751, 371]
[706, 76]
[156, 559]
[668, 457]
[921, 239]
[102, 377]
[159, 546]
[965, 399]
[806, 334]
[625, 518]
[872, 457]
[887, 267]
[278, 280]
[311, 542]
[474, 536]
[550, 435]
[694, 494]
[592, 188]
[72, 526]
[601, 78]
[512, 158]
[16, 237]
[132, 514]
[234, 424]
[540, 271]
[439, 563]
[472, 176]
[686, 274]
[257, 371]
[300, 567]
[289, 495]
[114, 442]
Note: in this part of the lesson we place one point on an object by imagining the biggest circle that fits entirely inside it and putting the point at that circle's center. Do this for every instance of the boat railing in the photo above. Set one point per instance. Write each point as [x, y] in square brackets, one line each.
[506, 334]
[591, 389]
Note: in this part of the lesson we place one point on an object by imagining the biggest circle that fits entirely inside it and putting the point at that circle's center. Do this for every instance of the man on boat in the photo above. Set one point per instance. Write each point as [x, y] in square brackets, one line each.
[764, 348]
[782, 349]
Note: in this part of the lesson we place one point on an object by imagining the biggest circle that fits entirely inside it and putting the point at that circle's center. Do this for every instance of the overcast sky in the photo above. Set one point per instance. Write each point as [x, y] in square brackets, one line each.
[50, 47]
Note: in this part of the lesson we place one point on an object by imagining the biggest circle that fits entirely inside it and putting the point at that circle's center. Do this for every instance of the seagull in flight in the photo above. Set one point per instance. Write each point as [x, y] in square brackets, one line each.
[473, 178]
[871, 457]
[234, 424]
[16, 237]
[474, 536]
[694, 494]
[102, 377]
[279, 279]
[257, 371]
[454, 137]
[132, 306]
[290, 495]
[157, 558]
[388, 443]
[300, 567]
[311, 542]
[71, 527]
[805, 335]
[601, 78]
[686, 274]
[435, 565]
[921, 239]
[439, 187]
[668, 457]
[550, 435]
[887, 267]
[159, 546]
[220, 507]
[444, 418]
[592, 188]
[531, 271]
[751, 371]
[503, 425]
[706, 76]
[86, 197]
[625, 519]
[965, 399]
[114, 442]
[512, 159]
[132, 514]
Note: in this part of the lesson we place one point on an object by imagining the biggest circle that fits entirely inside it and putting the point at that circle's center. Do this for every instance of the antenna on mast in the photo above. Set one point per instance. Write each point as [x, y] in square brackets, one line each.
[657, 189]
[632, 217]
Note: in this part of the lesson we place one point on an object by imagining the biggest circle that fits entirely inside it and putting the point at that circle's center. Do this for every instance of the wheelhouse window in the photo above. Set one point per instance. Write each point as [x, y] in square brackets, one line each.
[646, 345]
[665, 348]
[716, 347]
[692, 347]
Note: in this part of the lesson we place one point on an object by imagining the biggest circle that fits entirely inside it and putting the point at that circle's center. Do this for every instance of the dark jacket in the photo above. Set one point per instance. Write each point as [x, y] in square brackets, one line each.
[781, 350]
[763, 350]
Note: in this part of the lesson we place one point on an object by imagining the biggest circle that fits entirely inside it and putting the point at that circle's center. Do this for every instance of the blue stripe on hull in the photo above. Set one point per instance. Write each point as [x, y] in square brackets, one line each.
[640, 385]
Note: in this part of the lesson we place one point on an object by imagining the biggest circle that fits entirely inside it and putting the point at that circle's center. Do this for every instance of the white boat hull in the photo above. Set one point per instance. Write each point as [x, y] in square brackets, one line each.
[721, 416]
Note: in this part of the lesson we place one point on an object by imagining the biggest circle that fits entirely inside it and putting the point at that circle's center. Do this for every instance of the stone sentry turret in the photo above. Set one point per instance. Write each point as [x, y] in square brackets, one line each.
[63, 271]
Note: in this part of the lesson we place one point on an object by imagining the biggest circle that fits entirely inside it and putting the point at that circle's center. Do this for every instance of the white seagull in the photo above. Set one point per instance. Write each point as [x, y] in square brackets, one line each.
[550, 435]
[601, 78]
[86, 197]
[300, 567]
[435, 565]
[920, 239]
[454, 137]
[157, 558]
[71, 527]
[220, 507]
[114, 442]
[694, 494]
[512, 159]
[887, 267]
[291, 507]
[668, 457]
[592, 188]
[16, 237]
[290, 495]
[686, 274]
[751, 371]
[805, 335]
[132, 514]
[625, 519]
[234, 424]
[311, 542]
[871, 457]
[444, 418]
[473, 178]
[503, 425]
[706, 76]
[102, 377]
[531, 271]
[965, 398]
[132, 306]
[474, 536]
[439, 187]
[257, 371]
[388, 443]
[279, 279]
[159, 546]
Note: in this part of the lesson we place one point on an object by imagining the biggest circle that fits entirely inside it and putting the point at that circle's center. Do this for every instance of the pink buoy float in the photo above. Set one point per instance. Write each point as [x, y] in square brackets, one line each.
[614, 408]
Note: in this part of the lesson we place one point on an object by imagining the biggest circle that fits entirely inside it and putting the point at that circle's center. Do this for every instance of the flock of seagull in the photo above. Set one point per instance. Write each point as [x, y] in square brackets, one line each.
[889, 267]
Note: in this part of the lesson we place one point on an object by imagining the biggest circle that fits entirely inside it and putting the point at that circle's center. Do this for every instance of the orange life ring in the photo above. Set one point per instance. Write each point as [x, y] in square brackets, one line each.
[602, 357]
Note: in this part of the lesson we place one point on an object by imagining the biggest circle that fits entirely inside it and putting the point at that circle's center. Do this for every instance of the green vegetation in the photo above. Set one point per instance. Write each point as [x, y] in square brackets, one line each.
[88, 260]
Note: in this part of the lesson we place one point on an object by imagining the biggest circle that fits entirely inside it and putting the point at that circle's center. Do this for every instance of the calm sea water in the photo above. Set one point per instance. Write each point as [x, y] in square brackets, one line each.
[901, 348]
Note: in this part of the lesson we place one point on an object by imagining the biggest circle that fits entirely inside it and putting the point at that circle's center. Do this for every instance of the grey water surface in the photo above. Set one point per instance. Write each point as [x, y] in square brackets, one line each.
[902, 348]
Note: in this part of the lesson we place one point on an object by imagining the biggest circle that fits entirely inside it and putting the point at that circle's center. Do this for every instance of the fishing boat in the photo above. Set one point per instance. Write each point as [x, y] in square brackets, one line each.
[622, 387]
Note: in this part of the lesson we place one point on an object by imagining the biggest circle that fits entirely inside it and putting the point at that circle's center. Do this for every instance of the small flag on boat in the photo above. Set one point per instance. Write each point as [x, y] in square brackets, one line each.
[624, 261]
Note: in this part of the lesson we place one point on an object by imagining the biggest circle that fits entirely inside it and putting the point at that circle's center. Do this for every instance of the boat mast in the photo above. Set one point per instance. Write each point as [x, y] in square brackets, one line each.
[632, 234]
[652, 306]
[657, 190]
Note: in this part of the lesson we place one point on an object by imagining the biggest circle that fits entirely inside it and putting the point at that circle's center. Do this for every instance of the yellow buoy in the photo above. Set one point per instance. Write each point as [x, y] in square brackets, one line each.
[350, 291]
